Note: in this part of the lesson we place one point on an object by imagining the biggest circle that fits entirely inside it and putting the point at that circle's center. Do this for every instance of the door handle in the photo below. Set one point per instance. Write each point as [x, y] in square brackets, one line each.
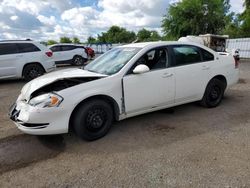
[167, 75]
[205, 67]
[19, 56]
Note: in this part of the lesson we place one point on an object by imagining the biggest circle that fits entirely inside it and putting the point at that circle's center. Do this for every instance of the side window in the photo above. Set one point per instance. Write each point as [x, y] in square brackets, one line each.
[186, 55]
[207, 56]
[27, 47]
[55, 48]
[155, 59]
[68, 48]
[8, 48]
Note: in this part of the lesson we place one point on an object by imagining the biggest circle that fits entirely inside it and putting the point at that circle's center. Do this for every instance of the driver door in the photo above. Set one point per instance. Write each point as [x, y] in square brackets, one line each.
[152, 89]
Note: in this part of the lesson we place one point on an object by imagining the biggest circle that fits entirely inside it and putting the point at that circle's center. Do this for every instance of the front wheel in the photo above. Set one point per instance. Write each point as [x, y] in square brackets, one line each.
[214, 93]
[93, 120]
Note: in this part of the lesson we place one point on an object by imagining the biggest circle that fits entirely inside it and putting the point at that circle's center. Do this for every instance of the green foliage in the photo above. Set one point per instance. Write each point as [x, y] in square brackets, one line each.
[194, 17]
[65, 40]
[76, 40]
[245, 19]
[117, 34]
[155, 36]
[239, 25]
[91, 40]
[145, 35]
[51, 42]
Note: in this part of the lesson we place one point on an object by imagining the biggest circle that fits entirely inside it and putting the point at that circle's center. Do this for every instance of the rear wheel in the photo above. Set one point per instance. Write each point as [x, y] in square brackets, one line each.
[78, 60]
[214, 93]
[32, 71]
[93, 120]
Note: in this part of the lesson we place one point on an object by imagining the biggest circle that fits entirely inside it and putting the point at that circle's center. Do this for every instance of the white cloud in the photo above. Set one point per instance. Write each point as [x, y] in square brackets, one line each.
[125, 13]
[49, 21]
[14, 18]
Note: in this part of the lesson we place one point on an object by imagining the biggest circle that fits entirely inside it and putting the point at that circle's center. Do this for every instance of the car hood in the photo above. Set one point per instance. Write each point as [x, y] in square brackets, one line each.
[49, 78]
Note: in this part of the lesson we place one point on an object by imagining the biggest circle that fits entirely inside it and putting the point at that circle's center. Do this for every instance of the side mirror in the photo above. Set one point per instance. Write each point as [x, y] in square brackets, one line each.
[139, 69]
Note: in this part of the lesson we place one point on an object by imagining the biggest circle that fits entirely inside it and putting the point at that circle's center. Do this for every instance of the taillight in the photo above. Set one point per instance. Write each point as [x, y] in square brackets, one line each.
[236, 61]
[49, 54]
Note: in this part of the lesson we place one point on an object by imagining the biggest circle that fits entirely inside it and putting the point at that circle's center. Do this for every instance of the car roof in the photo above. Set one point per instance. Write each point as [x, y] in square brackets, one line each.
[149, 45]
[159, 43]
[68, 44]
[17, 41]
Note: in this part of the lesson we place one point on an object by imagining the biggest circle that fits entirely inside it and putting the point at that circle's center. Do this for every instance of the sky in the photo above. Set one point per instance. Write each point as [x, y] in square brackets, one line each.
[51, 19]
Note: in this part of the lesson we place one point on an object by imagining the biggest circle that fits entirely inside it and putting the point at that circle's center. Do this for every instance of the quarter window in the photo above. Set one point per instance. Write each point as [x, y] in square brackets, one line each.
[8, 48]
[186, 55]
[27, 47]
[55, 48]
[68, 48]
[207, 56]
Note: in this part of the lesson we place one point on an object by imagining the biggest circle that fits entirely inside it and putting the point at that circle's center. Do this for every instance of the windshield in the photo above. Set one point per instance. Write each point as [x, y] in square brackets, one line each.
[112, 61]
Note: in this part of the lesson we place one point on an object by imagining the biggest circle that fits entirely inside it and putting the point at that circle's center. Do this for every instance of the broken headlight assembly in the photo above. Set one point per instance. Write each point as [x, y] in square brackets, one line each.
[46, 100]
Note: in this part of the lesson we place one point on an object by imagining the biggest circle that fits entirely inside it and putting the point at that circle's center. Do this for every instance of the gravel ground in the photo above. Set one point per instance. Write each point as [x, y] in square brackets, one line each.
[188, 146]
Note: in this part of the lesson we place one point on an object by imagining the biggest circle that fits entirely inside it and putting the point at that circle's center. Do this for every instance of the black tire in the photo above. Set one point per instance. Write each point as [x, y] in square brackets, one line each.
[32, 71]
[78, 61]
[214, 93]
[93, 120]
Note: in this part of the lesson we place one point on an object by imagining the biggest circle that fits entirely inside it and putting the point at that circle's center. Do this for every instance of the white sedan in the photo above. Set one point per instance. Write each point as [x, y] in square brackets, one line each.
[124, 82]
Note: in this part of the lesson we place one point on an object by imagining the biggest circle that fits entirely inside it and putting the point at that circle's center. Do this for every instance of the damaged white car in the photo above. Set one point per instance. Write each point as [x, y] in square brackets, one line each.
[124, 82]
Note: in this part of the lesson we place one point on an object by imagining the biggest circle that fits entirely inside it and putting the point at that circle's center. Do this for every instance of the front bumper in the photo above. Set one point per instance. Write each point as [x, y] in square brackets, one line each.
[39, 121]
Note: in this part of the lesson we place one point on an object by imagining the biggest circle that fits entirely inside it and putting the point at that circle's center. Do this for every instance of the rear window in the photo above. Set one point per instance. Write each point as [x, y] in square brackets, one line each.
[27, 47]
[55, 48]
[8, 48]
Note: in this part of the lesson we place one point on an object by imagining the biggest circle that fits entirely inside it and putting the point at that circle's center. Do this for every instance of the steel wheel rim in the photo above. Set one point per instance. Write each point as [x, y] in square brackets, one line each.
[96, 119]
[215, 94]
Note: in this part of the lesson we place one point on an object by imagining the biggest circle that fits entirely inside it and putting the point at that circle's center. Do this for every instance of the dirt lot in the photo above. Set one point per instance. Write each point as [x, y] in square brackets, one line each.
[189, 147]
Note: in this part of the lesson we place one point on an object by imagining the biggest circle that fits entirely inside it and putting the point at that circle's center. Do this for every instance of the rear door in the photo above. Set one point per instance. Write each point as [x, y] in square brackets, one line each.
[192, 72]
[68, 52]
[9, 59]
[28, 53]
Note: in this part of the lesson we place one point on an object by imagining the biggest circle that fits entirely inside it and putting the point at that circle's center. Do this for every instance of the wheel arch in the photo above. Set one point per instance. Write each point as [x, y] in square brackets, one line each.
[221, 78]
[108, 99]
[32, 63]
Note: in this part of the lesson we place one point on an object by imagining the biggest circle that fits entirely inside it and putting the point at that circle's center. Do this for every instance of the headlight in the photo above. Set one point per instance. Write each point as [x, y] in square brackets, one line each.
[46, 100]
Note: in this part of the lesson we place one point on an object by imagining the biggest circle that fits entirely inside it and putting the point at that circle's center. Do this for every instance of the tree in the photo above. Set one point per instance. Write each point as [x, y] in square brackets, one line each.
[65, 40]
[117, 34]
[145, 35]
[76, 40]
[51, 42]
[91, 40]
[194, 17]
[239, 25]
[245, 20]
[155, 36]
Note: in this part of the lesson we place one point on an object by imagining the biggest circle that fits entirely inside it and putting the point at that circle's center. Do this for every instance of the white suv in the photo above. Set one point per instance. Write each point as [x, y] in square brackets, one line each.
[24, 58]
[69, 54]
